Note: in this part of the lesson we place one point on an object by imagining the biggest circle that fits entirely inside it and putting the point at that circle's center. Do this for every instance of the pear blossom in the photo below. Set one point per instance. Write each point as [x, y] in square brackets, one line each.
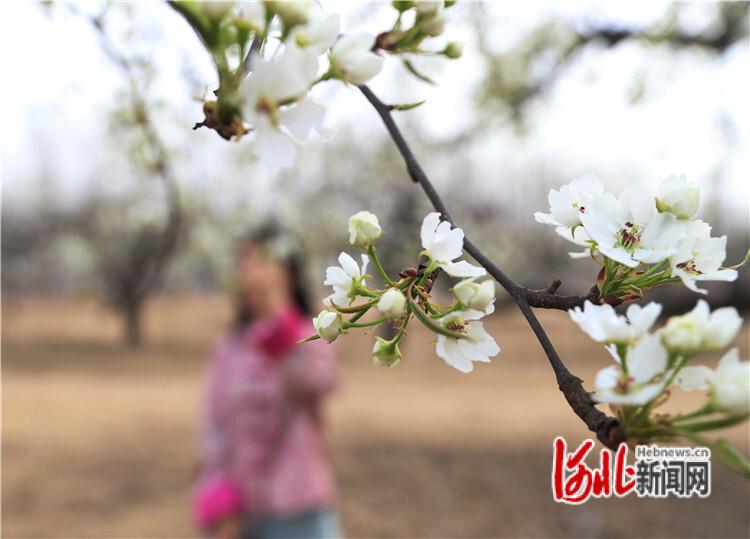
[364, 228]
[479, 296]
[646, 359]
[476, 345]
[678, 197]
[699, 257]
[731, 383]
[392, 303]
[629, 230]
[701, 329]
[275, 106]
[316, 35]
[328, 325]
[603, 324]
[386, 352]
[567, 204]
[442, 244]
[344, 279]
[352, 59]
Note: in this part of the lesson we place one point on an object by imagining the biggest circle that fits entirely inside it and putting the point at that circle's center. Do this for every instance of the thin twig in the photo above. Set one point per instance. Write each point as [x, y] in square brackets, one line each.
[607, 429]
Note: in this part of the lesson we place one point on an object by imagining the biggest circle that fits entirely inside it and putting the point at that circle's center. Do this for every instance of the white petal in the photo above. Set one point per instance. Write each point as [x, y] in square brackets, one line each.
[646, 358]
[429, 224]
[349, 264]
[274, 148]
[607, 378]
[462, 269]
[698, 377]
[302, 119]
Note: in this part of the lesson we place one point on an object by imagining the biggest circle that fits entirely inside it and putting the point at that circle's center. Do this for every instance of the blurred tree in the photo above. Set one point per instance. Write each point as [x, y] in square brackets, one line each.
[530, 68]
[132, 255]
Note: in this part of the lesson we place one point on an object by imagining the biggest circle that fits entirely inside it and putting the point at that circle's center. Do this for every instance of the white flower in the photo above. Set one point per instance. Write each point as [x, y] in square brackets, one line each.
[475, 295]
[701, 330]
[352, 59]
[603, 324]
[567, 204]
[278, 124]
[344, 279]
[254, 14]
[392, 303]
[679, 197]
[699, 257]
[645, 360]
[476, 345]
[443, 244]
[386, 352]
[317, 35]
[731, 383]
[327, 325]
[629, 230]
[364, 228]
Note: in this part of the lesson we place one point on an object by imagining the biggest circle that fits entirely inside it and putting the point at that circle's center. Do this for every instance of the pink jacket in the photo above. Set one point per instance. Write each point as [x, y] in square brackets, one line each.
[264, 451]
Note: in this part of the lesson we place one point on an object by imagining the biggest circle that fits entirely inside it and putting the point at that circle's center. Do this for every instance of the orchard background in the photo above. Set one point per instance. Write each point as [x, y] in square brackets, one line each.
[99, 414]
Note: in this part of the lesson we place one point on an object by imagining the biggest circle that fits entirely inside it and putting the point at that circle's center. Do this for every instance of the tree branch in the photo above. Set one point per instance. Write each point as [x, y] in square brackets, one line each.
[608, 429]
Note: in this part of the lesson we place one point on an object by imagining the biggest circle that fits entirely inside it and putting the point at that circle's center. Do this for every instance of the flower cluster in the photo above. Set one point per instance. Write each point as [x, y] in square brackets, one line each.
[461, 337]
[640, 240]
[281, 44]
[647, 364]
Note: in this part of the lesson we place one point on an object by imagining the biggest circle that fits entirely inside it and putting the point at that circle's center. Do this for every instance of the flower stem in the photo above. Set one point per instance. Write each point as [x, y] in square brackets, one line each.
[429, 322]
[374, 257]
[350, 324]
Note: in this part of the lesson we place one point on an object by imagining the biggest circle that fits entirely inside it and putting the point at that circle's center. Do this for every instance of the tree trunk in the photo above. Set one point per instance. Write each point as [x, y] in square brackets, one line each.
[132, 319]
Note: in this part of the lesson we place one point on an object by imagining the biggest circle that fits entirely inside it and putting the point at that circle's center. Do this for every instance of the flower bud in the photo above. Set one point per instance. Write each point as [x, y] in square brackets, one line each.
[678, 197]
[428, 7]
[327, 325]
[352, 59]
[386, 352]
[392, 303]
[730, 384]
[364, 229]
[683, 335]
[453, 50]
[721, 328]
[475, 295]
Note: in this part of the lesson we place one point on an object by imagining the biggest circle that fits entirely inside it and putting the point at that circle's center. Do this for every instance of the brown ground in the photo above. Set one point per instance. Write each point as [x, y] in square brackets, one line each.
[99, 441]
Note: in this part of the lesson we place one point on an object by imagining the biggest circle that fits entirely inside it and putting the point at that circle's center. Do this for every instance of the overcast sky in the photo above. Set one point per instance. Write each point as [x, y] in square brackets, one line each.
[57, 88]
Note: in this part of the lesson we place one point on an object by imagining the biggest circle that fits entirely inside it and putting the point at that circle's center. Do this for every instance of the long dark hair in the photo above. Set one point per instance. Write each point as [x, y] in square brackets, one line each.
[281, 245]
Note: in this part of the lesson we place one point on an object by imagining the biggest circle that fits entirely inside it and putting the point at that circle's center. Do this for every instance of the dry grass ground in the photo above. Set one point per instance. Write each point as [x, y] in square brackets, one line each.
[99, 441]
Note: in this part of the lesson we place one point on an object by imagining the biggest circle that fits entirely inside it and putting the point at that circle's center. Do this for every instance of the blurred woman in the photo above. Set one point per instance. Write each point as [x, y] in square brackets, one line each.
[265, 471]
